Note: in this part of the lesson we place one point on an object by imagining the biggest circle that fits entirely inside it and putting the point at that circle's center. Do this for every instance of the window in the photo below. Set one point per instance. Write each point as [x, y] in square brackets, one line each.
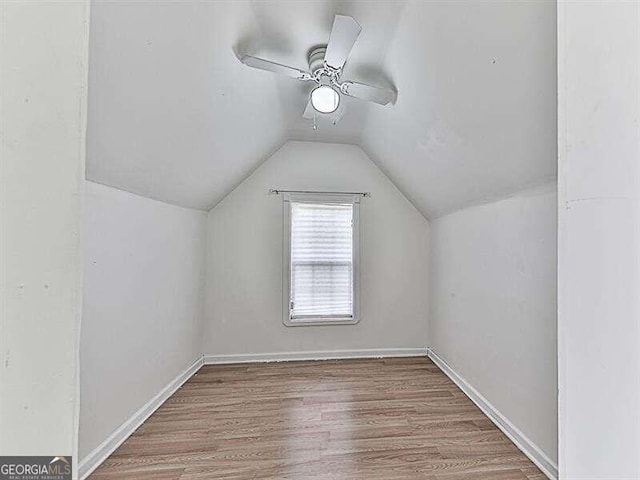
[321, 259]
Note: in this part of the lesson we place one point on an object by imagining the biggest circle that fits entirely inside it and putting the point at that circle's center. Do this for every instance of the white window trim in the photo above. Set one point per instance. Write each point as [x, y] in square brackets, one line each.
[286, 257]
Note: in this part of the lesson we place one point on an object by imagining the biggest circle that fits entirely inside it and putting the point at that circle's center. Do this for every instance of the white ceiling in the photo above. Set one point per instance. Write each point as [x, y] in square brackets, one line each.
[476, 110]
[173, 115]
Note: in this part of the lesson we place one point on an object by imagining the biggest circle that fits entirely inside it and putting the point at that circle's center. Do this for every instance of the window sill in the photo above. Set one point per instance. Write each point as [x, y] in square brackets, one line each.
[315, 322]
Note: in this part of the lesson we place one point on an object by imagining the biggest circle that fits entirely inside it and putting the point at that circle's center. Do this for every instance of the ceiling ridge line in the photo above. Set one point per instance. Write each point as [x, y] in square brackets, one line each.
[533, 187]
[244, 178]
[374, 159]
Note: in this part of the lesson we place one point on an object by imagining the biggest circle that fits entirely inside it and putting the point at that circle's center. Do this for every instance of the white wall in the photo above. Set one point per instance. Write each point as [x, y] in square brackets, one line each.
[493, 306]
[245, 234]
[599, 240]
[143, 304]
[42, 120]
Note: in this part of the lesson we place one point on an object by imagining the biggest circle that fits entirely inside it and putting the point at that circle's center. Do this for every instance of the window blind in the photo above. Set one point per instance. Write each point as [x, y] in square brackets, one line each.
[321, 260]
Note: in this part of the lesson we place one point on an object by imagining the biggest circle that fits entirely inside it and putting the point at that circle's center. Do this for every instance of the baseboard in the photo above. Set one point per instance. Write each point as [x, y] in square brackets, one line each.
[93, 460]
[313, 355]
[530, 449]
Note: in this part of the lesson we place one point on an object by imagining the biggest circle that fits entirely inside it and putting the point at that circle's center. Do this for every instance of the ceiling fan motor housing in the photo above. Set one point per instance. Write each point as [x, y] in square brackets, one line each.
[316, 59]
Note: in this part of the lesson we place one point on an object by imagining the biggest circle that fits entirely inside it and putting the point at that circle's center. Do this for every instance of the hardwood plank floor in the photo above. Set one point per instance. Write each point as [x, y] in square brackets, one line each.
[386, 419]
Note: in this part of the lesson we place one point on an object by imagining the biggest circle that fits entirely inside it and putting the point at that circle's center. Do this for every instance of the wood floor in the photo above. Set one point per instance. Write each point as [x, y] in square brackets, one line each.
[385, 419]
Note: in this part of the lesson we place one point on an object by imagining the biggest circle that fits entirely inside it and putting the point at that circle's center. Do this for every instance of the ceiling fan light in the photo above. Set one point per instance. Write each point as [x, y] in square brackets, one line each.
[325, 99]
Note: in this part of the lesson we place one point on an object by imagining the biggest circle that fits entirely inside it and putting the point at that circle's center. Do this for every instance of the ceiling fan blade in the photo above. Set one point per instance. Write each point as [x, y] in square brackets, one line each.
[274, 67]
[343, 36]
[309, 111]
[367, 92]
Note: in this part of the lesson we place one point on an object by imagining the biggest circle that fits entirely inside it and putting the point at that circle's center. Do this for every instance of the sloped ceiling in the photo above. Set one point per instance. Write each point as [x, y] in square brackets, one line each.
[476, 113]
[173, 115]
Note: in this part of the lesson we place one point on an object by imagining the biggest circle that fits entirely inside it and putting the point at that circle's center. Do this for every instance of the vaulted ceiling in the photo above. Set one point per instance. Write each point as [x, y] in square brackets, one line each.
[173, 115]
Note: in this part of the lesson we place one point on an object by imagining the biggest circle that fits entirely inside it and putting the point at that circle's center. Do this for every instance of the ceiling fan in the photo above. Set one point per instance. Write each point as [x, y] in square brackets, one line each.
[325, 69]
